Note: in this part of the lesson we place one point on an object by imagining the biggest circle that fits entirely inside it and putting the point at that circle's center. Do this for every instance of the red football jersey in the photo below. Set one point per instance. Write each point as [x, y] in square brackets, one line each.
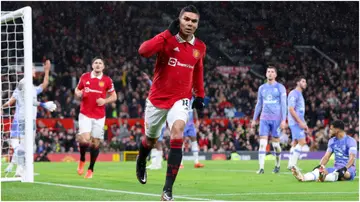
[178, 69]
[94, 88]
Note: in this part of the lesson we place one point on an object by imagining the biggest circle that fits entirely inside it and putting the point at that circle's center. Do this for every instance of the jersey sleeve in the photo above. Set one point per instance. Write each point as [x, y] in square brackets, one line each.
[198, 77]
[39, 89]
[259, 104]
[292, 99]
[283, 102]
[149, 82]
[351, 143]
[16, 94]
[110, 87]
[80, 85]
[330, 143]
[154, 45]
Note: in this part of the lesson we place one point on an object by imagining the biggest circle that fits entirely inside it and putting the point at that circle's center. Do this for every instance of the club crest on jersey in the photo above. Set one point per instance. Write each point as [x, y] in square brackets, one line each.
[101, 84]
[196, 53]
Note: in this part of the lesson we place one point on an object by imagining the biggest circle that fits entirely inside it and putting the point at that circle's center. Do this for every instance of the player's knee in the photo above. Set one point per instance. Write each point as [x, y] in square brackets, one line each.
[150, 142]
[158, 145]
[263, 144]
[96, 142]
[83, 138]
[346, 176]
[177, 129]
[302, 141]
[193, 138]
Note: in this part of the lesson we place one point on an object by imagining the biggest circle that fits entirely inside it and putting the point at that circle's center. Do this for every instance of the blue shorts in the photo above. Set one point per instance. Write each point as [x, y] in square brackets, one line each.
[297, 132]
[270, 127]
[162, 133]
[190, 131]
[351, 170]
[17, 129]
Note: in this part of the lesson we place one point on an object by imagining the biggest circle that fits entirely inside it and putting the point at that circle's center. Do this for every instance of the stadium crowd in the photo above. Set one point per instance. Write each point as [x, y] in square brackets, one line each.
[249, 32]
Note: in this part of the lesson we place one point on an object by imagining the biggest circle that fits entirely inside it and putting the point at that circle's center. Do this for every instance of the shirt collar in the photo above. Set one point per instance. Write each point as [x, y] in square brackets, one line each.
[181, 40]
[92, 75]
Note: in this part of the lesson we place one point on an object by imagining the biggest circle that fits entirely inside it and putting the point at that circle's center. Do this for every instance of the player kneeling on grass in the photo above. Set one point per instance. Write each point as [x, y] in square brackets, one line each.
[345, 150]
[92, 89]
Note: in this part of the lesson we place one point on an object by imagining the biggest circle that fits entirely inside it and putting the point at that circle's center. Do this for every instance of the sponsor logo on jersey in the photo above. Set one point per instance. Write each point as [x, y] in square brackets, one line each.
[101, 84]
[87, 83]
[177, 49]
[87, 90]
[173, 62]
[196, 53]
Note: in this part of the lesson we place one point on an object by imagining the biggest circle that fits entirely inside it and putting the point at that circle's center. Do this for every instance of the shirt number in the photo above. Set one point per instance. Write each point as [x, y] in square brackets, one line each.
[185, 103]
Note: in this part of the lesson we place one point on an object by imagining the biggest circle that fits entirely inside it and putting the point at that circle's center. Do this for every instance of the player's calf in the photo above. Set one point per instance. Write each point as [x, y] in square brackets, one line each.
[146, 145]
[84, 141]
[94, 153]
[175, 154]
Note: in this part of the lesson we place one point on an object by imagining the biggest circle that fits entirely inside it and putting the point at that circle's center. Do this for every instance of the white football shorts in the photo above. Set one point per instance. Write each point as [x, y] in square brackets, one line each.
[93, 126]
[156, 117]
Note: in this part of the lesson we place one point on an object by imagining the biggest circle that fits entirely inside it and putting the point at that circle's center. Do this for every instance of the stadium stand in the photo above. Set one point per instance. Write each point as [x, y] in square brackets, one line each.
[237, 34]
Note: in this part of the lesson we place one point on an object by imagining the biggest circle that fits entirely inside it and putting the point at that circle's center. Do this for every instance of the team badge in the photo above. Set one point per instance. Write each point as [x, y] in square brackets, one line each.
[101, 84]
[146, 125]
[196, 53]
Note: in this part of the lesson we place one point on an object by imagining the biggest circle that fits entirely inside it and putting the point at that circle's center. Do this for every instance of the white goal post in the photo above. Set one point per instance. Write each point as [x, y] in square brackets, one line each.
[16, 53]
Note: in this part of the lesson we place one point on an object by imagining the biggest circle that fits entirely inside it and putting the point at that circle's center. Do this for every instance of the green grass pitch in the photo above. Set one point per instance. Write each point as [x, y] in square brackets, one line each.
[219, 180]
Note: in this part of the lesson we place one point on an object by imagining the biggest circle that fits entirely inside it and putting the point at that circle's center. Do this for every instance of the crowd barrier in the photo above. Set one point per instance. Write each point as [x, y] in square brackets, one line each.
[131, 156]
[53, 123]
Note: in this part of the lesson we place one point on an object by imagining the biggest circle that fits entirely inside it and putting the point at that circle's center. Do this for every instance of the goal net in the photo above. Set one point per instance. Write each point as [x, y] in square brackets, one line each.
[16, 63]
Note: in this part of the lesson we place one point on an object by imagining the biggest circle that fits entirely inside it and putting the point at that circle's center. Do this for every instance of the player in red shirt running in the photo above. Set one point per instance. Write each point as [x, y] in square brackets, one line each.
[178, 74]
[92, 89]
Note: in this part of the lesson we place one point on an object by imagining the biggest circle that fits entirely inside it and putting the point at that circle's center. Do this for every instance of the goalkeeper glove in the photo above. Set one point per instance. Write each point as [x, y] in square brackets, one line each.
[174, 27]
[198, 103]
[51, 106]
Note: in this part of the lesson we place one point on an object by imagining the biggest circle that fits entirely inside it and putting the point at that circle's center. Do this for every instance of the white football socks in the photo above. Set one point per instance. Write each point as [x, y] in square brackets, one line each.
[195, 150]
[290, 156]
[277, 149]
[159, 158]
[153, 155]
[312, 176]
[262, 152]
[296, 153]
[332, 177]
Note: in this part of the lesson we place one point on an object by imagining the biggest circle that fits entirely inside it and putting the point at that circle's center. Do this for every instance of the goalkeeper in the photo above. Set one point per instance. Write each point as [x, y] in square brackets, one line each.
[345, 150]
[18, 124]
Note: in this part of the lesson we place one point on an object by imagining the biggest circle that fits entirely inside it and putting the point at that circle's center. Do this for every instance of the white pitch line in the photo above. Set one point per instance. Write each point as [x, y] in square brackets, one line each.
[270, 193]
[242, 171]
[120, 191]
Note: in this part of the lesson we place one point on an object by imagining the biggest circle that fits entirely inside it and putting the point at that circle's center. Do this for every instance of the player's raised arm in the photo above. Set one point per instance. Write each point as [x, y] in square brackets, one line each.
[47, 66]
[198, 84]
[156, 44]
